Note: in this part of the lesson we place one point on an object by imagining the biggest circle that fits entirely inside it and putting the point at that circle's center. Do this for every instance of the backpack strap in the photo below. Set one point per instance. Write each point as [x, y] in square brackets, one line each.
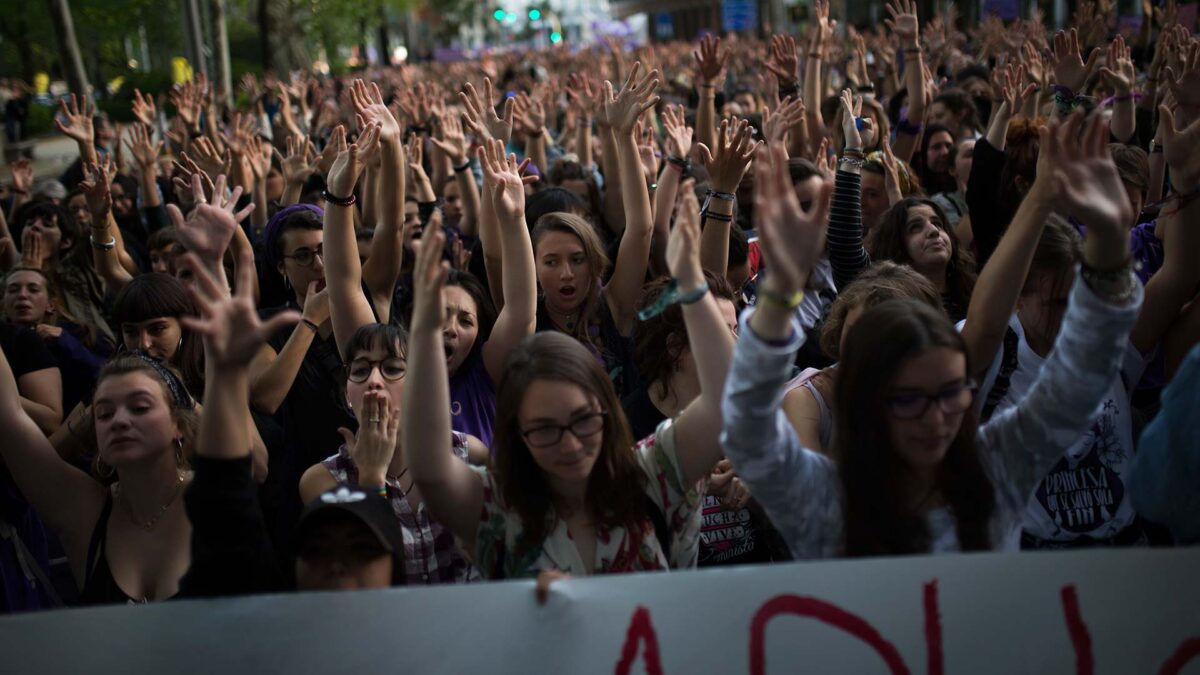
[659, 520]
[33, 571]
[1008, 365]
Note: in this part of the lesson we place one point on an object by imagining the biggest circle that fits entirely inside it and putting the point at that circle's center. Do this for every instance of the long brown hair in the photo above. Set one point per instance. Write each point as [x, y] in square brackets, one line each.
[886, 242]
[882, 281]
[58, 305]
[878, 513]
[615, 486]
[593, 252]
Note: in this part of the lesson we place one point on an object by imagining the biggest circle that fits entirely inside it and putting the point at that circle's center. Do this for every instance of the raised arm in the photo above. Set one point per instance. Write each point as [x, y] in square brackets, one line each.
[103, 238]
[1121, 75]
[623, 109]
[1002, 278]
[506, 196]
[452, 490]
[65, 497]
[453, 143]
[727, 164]
[76, 123]
[297, 166]
[1070, 70]
[679, 150]
[698, 429]
[710, 63]
[1087, 355]
[479, 115]
[348, 307]
[1170, 289]
[822, 34]
[905, 26]
[382, 269]
[790, 482]
[847, 255]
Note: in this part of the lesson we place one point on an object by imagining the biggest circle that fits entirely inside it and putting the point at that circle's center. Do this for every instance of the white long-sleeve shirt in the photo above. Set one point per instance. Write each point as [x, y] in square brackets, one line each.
[801, 489]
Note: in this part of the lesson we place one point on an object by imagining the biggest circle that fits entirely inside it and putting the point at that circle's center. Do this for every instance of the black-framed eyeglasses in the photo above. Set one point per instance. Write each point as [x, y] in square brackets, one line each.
[305, 257]
[581, 428]
[952, 401]
[392, 369]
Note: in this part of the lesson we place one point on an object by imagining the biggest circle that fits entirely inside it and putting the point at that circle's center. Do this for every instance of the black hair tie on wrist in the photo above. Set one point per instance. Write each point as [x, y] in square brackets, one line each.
[337, 201]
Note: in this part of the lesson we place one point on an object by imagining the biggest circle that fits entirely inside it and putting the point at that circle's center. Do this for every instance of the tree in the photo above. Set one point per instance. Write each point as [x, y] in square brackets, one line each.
[68, 47]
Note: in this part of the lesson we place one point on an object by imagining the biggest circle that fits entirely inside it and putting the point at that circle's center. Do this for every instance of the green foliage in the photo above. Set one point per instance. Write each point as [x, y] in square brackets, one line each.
[40, 121]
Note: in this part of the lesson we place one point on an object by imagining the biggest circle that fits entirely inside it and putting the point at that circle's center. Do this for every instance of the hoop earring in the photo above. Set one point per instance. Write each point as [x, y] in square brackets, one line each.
[104, 471]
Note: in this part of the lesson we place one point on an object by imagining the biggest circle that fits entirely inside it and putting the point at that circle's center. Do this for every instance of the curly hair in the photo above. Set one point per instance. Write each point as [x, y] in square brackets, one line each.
[886, 241]
[659, 342]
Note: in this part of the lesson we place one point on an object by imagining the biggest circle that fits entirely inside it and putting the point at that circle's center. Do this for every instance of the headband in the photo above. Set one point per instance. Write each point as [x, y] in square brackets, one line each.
[271, 231]
[180, 397]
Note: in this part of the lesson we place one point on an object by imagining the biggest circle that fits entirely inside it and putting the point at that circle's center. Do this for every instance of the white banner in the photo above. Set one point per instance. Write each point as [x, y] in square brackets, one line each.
[1093, 612]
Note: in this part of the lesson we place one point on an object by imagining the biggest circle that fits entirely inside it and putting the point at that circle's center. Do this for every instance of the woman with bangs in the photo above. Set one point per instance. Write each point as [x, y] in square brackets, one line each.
[29, 301]
[128, 542]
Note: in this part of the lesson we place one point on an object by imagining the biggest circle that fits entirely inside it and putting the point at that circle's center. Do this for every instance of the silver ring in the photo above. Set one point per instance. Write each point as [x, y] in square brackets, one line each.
[374, 420]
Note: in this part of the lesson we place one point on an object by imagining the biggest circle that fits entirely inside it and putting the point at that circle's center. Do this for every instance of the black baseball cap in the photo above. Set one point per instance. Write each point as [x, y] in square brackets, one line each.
[367, 507]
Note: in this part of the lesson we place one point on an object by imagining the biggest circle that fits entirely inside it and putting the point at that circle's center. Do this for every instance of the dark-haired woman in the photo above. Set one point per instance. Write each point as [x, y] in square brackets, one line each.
[915, 471]
[568, 491]
[52, 240]
[128, 542]
[29, 301]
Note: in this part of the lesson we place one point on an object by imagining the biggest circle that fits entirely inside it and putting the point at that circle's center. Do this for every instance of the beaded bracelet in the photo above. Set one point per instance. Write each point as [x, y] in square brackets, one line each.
[337, 201]
[671, 296]
[788, 302]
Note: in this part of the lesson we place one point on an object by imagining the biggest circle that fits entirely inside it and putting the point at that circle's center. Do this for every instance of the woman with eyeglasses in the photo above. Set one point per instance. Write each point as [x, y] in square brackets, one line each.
[568, 492]
[915, 471]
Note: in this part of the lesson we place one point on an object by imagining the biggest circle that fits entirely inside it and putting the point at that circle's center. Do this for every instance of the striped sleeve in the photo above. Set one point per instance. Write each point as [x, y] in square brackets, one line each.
[847, 255]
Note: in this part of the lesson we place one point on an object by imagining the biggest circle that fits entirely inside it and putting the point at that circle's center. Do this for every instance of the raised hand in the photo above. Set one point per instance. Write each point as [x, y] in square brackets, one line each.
[1086, 177]
[297, 165]
[679, 135]
[480, 114]
[145, 109]
[1186, 85]
[1179, 149]
[792, 239]
[144, 150]
[1012, 94]
[777, 124]
[349, 160]
[210, 226]
[368, 103]
[625, 108]
[903, 22]
[1070, 70]
[208, 158]
[188, 100]
[22, 176]
[851, 109]
[76, 121]
[1119, 72]
[502, 182]
[582, 92]
[822, 32]
[414, 152]
[232, 331]
[96, 192]
[781, 58]
[429, 277]
[258, 154]
[448, 137]
[529, 115]
[710, 60]
[735, 148]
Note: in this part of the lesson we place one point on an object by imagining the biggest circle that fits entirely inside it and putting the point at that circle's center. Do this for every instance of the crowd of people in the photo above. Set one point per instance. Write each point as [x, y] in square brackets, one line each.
[923, 289]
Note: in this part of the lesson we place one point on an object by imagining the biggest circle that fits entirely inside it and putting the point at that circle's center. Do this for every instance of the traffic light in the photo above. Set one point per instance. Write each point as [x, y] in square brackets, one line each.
[535, 14]
[498, 15]
[556, 37]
